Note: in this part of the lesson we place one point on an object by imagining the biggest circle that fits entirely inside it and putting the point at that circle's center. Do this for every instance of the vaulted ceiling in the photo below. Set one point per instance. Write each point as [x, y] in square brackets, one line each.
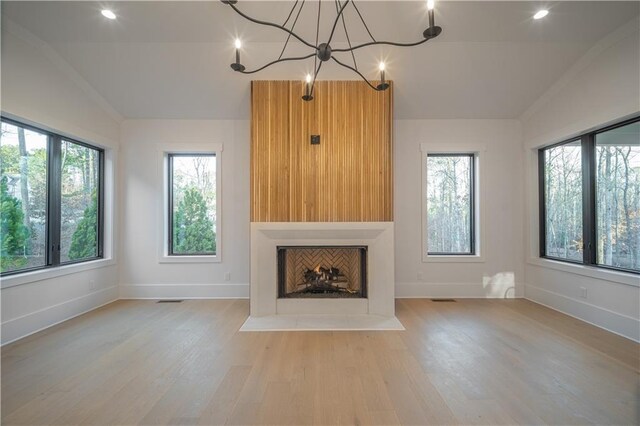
[171, 59]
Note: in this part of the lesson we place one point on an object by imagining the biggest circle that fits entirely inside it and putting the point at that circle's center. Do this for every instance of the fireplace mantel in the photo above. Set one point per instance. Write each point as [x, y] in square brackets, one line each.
[376, 236]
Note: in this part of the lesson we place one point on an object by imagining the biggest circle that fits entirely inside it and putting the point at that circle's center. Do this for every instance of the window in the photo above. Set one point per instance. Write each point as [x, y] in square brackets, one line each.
[51, 198]
[23, 169]
[80, 173]
[192, 205]
[563, 201]
[590, 198]
[450, 206]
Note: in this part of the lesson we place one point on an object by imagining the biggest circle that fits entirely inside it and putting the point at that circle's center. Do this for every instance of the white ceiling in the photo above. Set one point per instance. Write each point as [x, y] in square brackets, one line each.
[171, 59]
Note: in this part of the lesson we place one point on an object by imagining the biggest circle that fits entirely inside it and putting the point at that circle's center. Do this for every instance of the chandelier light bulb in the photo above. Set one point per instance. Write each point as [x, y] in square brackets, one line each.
[383, 84]
[541, 14]
[237, 65]
[307, 89]
[431, 4]
[108, 14]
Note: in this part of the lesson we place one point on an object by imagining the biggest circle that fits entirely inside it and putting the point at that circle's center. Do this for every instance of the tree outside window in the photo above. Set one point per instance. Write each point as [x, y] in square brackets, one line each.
[192, 207]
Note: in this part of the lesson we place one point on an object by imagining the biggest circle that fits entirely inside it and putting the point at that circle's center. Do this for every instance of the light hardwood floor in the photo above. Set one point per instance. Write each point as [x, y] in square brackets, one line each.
[468, 362]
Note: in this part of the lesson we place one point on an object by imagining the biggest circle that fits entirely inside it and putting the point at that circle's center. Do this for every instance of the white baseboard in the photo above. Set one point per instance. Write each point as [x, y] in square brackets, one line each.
[184, 291]
[600, 317]
[457, 290]
[20, 327]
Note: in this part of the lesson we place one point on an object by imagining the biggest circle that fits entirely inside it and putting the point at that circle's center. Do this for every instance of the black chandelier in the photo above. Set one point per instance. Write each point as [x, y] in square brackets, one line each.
[323, 52]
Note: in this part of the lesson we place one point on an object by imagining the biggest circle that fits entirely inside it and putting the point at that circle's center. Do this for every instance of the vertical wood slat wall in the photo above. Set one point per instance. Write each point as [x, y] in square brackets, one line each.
[347, 178]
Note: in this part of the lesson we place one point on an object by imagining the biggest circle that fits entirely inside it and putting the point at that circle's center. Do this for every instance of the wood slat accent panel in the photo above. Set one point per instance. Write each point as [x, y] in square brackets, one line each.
[347, 178]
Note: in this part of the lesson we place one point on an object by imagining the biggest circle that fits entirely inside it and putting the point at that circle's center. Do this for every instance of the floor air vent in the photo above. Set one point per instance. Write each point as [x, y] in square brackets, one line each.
[443, 300]
[169, 301]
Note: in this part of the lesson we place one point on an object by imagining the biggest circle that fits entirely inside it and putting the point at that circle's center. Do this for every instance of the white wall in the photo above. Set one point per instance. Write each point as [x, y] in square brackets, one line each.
[603, 87]
[38, 88]
[501, 209]
[141, 273]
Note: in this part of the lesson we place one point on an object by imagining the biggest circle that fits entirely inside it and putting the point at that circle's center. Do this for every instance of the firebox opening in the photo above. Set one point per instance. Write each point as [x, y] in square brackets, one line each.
[322, 271]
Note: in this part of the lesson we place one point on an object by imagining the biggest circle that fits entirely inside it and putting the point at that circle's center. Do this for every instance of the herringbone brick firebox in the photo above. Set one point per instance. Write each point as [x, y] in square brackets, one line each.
[322, 272]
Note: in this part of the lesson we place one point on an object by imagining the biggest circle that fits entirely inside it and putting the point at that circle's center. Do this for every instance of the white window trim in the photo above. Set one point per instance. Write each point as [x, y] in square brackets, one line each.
[479, 152]
[108, 249]
[163, 209]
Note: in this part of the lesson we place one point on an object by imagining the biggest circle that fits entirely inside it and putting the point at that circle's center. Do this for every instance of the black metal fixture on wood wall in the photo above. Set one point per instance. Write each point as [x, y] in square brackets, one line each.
[323, 52]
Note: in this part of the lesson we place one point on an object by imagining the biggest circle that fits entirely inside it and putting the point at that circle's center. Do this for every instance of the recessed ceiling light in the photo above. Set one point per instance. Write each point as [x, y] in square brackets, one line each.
[541, 14]
[108, 14]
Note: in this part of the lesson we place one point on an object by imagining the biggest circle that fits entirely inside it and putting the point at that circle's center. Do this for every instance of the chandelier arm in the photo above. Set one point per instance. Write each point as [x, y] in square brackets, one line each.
[335, 23]
[388, 43]
[277, 61]
[271, 24]
[353, 2]
[315, 75]
[357, 72]
[295, 21]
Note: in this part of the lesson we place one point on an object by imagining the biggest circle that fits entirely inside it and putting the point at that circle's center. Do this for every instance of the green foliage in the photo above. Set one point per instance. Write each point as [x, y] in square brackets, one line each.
[13, 234]
[85, 238]
[192, 228]
[9, 159]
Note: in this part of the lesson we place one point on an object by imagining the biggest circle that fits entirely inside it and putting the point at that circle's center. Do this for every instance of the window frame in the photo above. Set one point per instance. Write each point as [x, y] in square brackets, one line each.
[170, 206]
[54, 197]
[479, 152]
[192, 148]
[589, 199]
[472, 206]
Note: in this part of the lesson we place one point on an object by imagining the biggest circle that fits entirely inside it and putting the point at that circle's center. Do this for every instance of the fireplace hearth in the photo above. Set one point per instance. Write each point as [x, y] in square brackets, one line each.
[322, 272]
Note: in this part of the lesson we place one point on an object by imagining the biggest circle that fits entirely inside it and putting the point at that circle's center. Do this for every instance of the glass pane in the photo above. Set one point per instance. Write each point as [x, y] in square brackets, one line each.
[193, 208]
[563, 201]
[449, 204]
[23, 198]
[79, 202]
[618, 197]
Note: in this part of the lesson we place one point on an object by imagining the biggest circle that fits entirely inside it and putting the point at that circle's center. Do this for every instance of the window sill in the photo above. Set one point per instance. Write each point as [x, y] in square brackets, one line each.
[618, 277]
[452, 259]
[190, 259]
[49, 273]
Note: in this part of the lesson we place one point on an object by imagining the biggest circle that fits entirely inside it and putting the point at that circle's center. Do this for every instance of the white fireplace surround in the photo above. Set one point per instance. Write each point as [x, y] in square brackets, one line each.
[376, 236]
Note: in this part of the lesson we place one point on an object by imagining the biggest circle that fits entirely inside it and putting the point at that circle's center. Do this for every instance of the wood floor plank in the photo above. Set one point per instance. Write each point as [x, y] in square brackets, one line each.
[464, 362]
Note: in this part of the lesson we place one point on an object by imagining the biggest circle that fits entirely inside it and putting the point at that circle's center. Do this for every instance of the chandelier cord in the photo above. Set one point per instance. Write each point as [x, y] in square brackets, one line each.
[335, 23]
[346, 33]
[290, 13]
[315, 59]
[270, 24]
[295, 21]
[353, 2]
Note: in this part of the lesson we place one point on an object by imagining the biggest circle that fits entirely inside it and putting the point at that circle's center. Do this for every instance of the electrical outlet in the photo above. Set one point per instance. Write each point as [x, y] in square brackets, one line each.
[420, 276]
[227, 276]
[583, 292]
